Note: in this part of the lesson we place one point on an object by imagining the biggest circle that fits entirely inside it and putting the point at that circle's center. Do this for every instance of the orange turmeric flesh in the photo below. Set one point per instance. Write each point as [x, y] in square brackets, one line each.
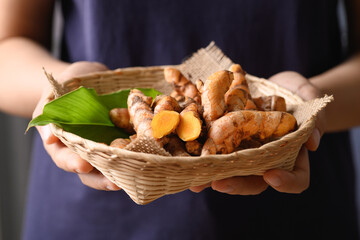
[164, 123]
[190, 126]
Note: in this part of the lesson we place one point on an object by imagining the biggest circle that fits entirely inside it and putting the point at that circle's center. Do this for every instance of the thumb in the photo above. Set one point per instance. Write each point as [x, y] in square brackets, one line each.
[295, 181]
[47, 136]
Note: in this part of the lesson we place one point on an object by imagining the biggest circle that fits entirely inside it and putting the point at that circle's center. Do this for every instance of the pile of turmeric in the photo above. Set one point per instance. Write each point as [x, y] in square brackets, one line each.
[216, 116]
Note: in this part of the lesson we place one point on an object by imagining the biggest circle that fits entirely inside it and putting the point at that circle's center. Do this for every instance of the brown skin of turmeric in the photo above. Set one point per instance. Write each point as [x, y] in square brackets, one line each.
[120, 143]
[121, 118]
[213, 95]
[140, 112]
[223, 92]
[238, 97]
[236, 68]
[177, 96]
[270, 103]
[194, 147]
[164, 102]
[182, 85]
[176, 147]
[226, 133]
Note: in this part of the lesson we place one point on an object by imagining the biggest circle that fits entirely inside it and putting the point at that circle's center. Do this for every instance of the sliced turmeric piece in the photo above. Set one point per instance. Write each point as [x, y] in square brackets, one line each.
[166, 117]
[227, 132]
[190, 125]
[164, 123]
[189, 128]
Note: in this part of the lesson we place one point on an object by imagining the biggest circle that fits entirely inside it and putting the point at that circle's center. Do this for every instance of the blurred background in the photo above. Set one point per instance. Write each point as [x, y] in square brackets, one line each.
[15, 153]
[15, 148]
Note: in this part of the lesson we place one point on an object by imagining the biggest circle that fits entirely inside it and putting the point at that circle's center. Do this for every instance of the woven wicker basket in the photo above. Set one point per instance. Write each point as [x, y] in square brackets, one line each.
[146, 177]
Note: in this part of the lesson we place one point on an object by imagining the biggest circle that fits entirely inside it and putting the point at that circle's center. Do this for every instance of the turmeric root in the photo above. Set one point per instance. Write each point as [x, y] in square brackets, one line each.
[120, 143]
[270, 103]
[226, 133]
[140, 112]
[190, 126]
[250, 105]
[212, 97]
[176, 147]
[177, 96]
[164, 102]
[238, 97]
[164, 123]
[200, 86]
[121, 118]
[236, 68]
[193, 147]
[181, 84]
[166, 117]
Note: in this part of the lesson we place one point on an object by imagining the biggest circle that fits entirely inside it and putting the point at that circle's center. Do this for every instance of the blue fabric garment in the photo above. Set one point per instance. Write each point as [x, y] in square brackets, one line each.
[265, 37]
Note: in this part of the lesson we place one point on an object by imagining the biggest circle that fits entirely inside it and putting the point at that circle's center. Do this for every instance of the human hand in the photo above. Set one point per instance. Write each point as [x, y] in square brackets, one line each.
[62, 156]
[295, 181]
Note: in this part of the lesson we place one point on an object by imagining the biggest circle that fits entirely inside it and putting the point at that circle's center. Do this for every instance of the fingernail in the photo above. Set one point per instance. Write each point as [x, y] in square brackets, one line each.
[112, 188]
[274, 181]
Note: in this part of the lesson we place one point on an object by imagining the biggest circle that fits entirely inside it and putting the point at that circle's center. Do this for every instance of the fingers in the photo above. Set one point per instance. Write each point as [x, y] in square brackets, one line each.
[69, 161]
[46, 135]
[66, 159]
[295, 181]
[249, 185]
[198, 189]
[80, 68]
[97, 180]
[299, 85]
[314, 140]
[63, 157]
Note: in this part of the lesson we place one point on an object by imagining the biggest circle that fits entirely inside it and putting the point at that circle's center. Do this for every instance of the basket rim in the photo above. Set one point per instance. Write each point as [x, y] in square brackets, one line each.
[117, 152]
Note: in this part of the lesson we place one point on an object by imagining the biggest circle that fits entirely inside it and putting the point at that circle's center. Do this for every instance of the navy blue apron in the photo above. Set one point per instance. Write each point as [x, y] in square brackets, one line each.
[265, 37]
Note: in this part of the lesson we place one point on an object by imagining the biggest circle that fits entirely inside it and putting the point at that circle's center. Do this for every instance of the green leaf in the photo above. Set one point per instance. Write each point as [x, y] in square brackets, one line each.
[115, 100]
[80, 107]
[150, 92]
[86, 114]
[119, 99]
[101, 134]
